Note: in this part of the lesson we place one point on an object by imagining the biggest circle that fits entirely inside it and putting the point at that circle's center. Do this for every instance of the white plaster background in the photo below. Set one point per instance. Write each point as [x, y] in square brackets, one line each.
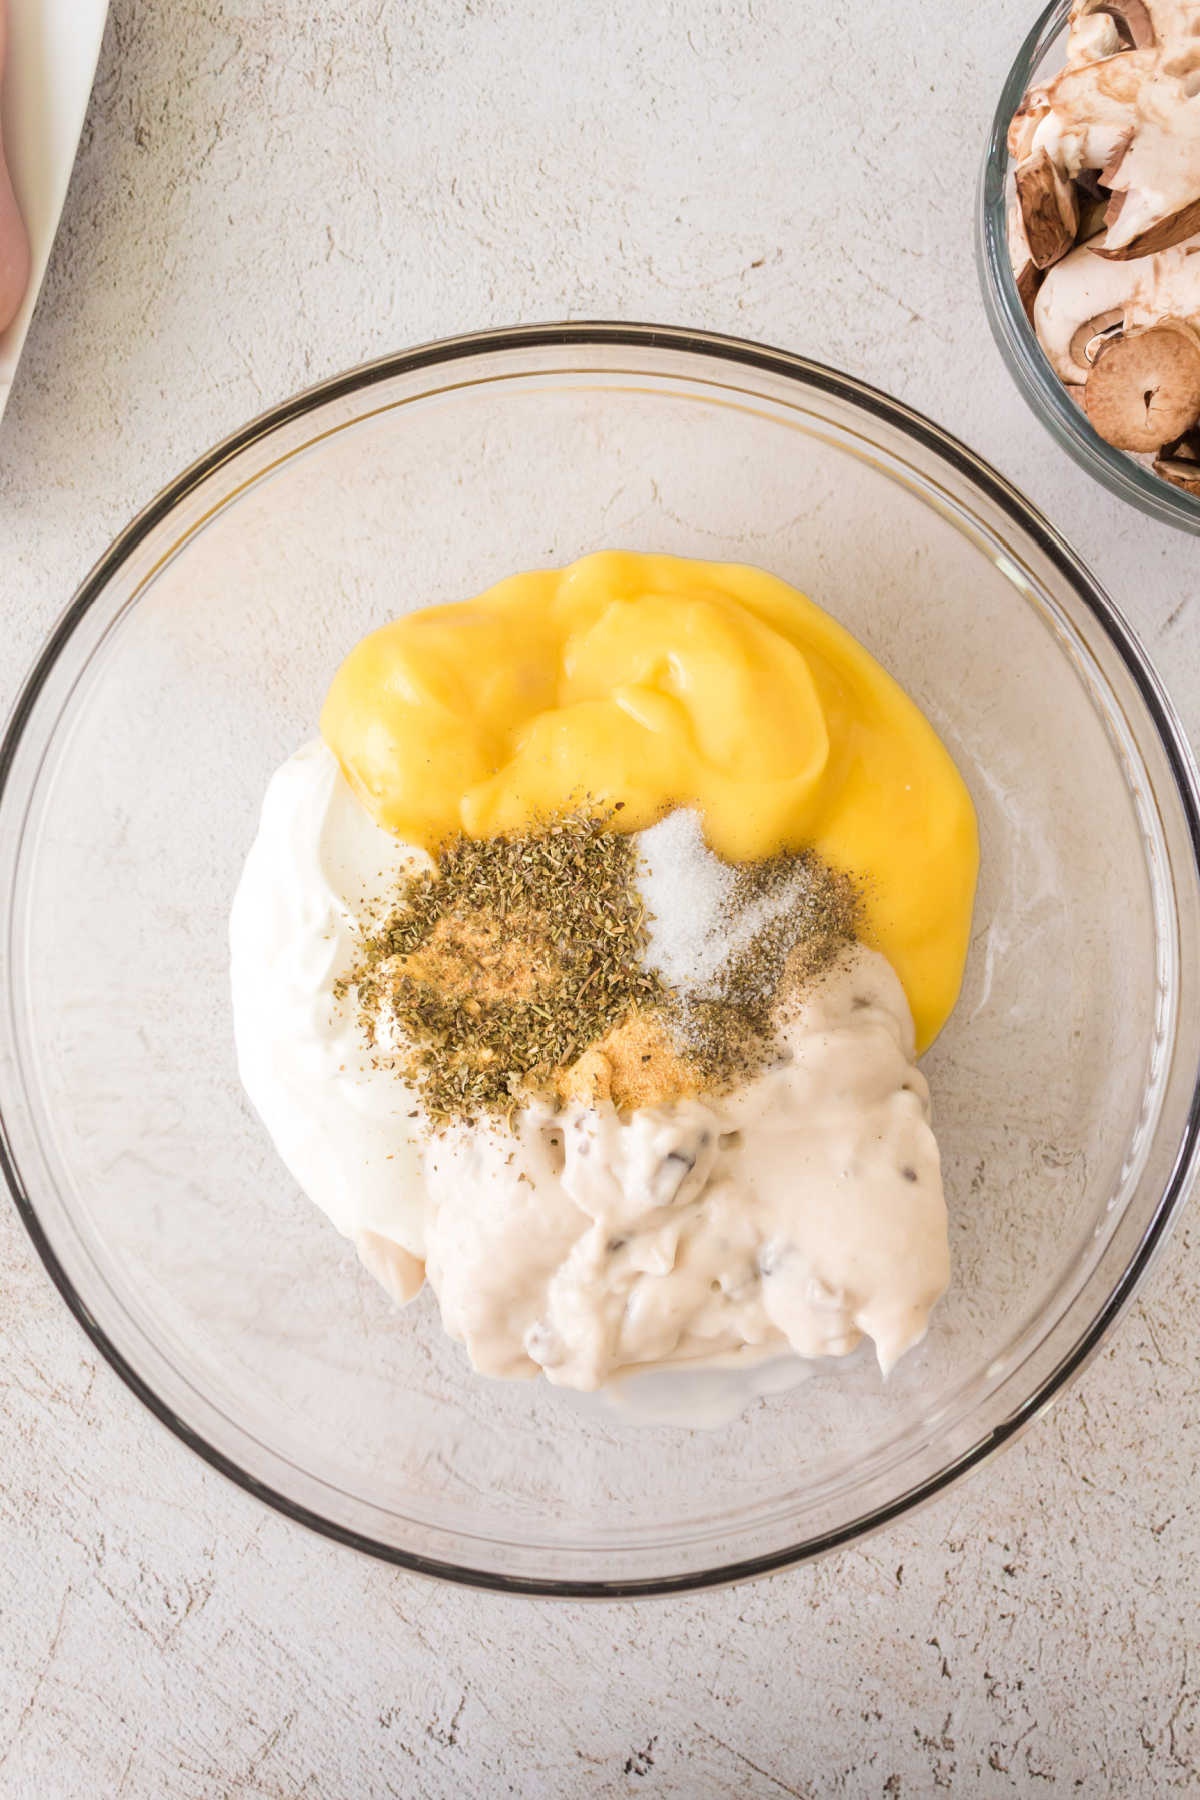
[266, 193]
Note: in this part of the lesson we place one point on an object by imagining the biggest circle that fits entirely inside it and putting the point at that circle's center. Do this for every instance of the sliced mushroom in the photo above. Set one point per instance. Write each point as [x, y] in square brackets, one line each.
[1108, 173]
[1179, 462]
[1091, 216]
[1093, 37]
[1088, 339]
[1078, 298]
[1025, 122]
[1025, 274]
[1106, 93]
[1144, 387]
[1183, 449]
[1131, 18]
[1183, 64]
[1116, 116]
[1049, 209]
[1106, 156]
[1185, 475]
[1029, 279]
[1159, 236]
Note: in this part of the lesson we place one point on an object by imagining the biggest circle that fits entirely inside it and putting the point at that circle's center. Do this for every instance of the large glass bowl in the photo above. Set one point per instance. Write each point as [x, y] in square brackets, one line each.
[1042, 54]
[195, 659]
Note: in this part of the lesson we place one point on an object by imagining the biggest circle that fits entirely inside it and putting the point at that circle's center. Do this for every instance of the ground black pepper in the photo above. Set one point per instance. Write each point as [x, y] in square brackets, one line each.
[730, 1031]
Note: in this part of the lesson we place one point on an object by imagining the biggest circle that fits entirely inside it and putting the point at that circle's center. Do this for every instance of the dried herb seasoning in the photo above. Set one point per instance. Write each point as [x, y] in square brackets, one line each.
[518, 955]
[507, 964]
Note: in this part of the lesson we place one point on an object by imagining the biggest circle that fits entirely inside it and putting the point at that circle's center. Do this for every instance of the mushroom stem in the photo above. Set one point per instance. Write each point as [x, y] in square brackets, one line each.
[1090, 337]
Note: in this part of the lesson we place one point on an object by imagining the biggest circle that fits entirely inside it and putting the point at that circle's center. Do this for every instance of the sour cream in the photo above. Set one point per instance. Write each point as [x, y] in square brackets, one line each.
[796, 1215]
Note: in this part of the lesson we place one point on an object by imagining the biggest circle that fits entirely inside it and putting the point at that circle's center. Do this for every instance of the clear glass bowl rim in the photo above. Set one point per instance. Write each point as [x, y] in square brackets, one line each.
[808, 374]
[1018, 345]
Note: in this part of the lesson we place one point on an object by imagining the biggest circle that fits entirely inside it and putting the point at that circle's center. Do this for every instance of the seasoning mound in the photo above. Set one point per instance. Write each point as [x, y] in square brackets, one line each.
[507, 964]
[639, 1063]
[586, 965]
[735, 943]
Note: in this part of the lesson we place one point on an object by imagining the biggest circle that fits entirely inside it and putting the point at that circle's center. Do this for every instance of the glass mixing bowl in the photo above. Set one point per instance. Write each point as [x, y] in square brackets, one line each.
[194, 660]
[1042, 54]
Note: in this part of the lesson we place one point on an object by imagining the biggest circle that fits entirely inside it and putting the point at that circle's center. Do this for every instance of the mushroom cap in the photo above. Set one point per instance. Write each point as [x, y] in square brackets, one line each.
[1144, 388]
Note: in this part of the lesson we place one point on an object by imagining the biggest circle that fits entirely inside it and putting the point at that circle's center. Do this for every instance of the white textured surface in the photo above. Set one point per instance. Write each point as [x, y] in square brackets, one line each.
[266, 193]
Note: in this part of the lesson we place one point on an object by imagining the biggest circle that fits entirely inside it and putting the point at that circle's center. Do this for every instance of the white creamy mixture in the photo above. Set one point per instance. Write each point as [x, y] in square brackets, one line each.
[799, 1212]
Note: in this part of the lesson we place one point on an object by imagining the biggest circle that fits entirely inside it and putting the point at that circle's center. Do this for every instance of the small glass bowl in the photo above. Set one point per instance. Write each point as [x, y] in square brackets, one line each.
[194, 659]
[1042, 54]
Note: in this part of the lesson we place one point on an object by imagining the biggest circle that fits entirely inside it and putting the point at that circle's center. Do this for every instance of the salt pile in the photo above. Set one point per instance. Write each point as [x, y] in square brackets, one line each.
[701, 920]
